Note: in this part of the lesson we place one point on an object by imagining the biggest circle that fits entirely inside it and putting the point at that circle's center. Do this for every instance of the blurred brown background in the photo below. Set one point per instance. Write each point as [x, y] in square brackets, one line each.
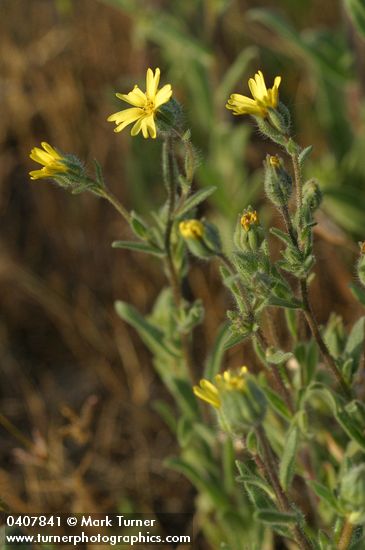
[78, 429]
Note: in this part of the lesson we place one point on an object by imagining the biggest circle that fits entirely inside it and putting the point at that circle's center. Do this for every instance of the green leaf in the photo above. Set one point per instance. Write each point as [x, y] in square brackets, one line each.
[358, 292]
[184, 431]
[259, 492]
[281, 235]
[280, 302]
[194, 200]
[355, 341]
[151, 335]
[277, 403]
[356, 11]
[228, 465]
[325, 494]
[166, 413]
[214, 361]
[233, 339]
[273, 517]
[277, 356]
[205, 485]
[291, 321]
[139, 247]
[287, 462]
[305, 153]
[185, 397]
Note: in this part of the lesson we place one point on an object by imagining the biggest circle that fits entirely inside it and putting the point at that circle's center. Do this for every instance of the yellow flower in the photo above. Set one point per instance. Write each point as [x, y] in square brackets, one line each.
[362, 248]
[145, 106]
[232, 381]
[249, 218]
[274, 161]
[191, 229]
[208, 392]
[228, 380]
[263, 98]
[52, 162]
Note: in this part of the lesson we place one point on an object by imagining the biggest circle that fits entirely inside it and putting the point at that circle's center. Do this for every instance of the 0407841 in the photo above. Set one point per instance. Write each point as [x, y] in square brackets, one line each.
[31, 521]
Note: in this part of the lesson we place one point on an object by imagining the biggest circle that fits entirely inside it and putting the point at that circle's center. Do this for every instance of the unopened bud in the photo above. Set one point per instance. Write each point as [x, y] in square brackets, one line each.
[278, 183]
[201, 237]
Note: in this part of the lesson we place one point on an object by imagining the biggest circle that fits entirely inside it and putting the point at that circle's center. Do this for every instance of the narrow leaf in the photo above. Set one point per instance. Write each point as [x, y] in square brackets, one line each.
[273, 517]
[287, 463]
[151, 335]
[138, 247]
[214, 361]
[194, 200]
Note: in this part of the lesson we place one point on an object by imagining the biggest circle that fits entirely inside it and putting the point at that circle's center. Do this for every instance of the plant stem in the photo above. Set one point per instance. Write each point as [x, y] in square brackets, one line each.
[283, 500]
[313, 325]
[110, 197]
[307, 307]
[170, 266]
[346, 535]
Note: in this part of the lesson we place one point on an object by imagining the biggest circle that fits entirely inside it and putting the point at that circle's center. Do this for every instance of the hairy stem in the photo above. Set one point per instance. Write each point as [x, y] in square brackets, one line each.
[269, 464]
[307, 307]
[346, 535]
[110, 197]
[170, 266]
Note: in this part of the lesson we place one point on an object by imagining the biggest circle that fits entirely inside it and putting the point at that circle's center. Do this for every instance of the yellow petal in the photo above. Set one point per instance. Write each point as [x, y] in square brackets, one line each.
[49, 149]
[152, 82]
[163, 95]
[261, 86]
[137, 127]
[136, 97]
[126, 117]
[149, 122]
[40, 156]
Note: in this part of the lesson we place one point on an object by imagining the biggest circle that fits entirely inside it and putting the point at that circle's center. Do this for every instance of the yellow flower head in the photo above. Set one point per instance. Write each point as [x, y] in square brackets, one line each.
[249, 218]
[263, 98]
[232, 380]
[227, 381]
[145, 106]
[53, 162]
[191, 229]
[274, 160]
[208, 392]
[362, 248]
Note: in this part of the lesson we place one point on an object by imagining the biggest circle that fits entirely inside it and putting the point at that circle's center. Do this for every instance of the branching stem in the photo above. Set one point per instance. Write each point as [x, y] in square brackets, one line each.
[260, 336]
[269, 464]
[307, 307]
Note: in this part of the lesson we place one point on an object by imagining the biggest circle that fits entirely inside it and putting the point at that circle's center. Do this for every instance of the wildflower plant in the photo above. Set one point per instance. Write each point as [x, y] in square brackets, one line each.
[295, 437]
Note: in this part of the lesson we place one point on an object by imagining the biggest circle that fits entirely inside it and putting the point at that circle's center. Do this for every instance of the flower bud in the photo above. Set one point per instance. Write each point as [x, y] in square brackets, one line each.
[278, 183]
[280, 118]
[201, 237]
[249, 234]
[312, 195]
[352, 494]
